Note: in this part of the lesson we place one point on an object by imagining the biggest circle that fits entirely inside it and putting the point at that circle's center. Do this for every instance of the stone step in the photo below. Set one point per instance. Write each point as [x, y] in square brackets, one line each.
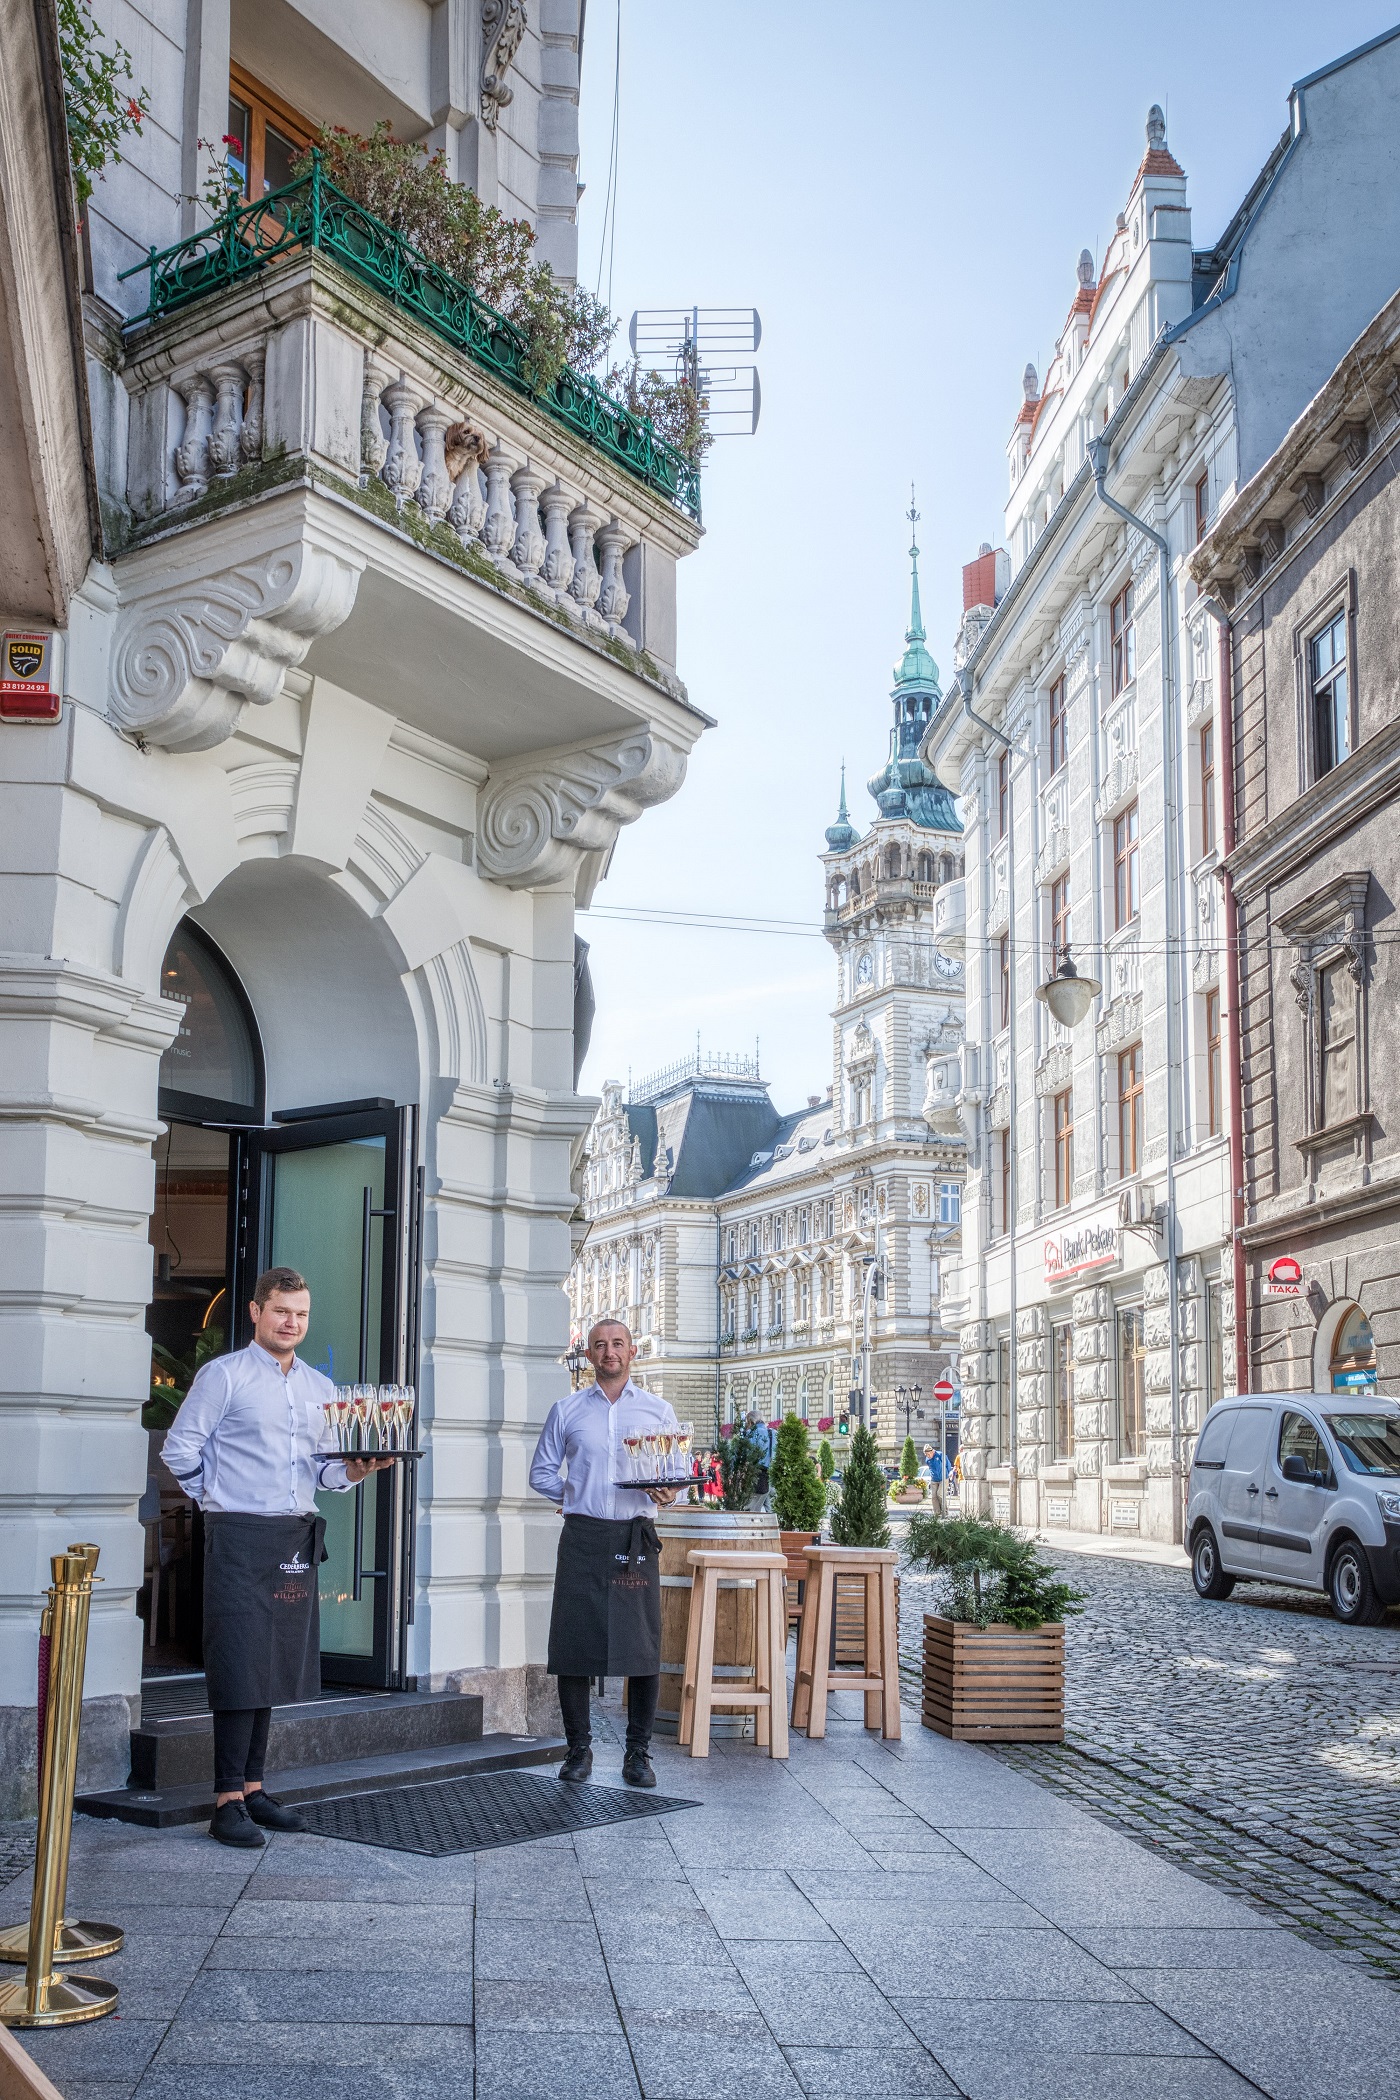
[177, 1750]
[164, 1808]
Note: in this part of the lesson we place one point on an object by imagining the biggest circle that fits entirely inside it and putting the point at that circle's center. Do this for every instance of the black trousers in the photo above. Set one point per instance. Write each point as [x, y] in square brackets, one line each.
[240, 1747]
[642, 1693]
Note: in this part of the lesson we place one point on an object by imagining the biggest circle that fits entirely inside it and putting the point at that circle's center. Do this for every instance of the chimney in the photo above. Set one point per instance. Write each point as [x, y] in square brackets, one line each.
[985, 578]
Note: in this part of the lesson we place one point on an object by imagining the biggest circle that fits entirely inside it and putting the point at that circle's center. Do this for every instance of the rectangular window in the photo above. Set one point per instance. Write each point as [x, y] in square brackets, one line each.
[1207, 752]
[1064, 1148]
[1059, 921]
[1213, 1069]
[1215, 1346]
[1124, 639]
[1005, 955]
[949, 1203]
[1005, 1180]
[1202, 506]
[265, 135]
[1059, 744]
[1000, 1424]
[1132, 1384]
[1061, 1393]
[1336, 1008]
[1330, 689]
[1003, 793]
[1126, 877]
[1130, 1111]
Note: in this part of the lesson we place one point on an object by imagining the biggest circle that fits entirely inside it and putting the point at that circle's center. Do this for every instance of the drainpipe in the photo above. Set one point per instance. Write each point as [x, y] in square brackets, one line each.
[990, 729]
[1234, 1061]
[1099, 460]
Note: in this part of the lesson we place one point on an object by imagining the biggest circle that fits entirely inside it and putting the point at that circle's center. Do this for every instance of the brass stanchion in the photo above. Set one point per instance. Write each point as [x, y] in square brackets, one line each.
[46, 1998]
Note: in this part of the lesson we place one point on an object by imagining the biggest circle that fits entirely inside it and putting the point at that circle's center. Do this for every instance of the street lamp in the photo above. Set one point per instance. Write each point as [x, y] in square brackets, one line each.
[575, 1357]
[1068, 995]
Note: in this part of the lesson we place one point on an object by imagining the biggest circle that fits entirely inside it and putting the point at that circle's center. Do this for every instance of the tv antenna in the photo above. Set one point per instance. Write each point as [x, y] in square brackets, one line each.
[701, 345]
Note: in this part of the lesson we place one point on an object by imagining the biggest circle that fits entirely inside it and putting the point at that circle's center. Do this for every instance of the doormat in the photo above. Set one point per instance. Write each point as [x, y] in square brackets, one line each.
[476, 1815]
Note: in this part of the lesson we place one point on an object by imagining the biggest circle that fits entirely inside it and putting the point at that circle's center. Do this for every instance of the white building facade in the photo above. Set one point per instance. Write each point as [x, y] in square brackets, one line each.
[1086, 740]
[735, 1241]
[346, 723]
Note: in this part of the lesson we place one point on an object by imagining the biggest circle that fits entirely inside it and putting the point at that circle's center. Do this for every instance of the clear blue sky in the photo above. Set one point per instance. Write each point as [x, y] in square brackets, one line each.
[903, 192]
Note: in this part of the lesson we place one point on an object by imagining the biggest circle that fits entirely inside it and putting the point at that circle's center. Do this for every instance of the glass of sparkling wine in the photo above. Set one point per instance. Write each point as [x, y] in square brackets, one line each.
[405, 1415]
[663, 1445]
[388, 1407]
[632, 1458]
[364, 1414]
[685, 1437]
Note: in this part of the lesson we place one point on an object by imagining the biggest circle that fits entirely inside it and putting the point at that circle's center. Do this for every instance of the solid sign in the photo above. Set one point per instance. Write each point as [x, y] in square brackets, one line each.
[1075, 1250]
[943, 1391]
[1285, 1278]
[1353, 1381]
[25, 692]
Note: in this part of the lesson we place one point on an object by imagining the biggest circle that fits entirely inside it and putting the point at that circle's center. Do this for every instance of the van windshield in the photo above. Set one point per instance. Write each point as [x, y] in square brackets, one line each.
[1370, 1443]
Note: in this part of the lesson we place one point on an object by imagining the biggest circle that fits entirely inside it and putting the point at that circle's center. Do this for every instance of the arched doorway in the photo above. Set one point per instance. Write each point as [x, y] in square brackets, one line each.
[1351, 1363]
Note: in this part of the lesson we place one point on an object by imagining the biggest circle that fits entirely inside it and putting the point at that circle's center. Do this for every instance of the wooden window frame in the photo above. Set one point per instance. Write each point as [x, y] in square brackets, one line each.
[262, 104]
[1003, 793]
[1061, 1393]
[1214, 1066]
[1004, 956]
[1059, 921]
[1062, 1124]
[1131, 1130]
[1123, 639]
[1127, 867]
[1323, 688]
[1205, 752]
[1005, 1183]
[1059, 726]
[1132, 1410]
[1202, 506]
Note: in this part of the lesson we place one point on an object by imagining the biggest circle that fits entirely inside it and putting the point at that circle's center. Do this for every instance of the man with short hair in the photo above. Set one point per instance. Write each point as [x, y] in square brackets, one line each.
[251, 1444]
[761, 1437]
[606, 1619]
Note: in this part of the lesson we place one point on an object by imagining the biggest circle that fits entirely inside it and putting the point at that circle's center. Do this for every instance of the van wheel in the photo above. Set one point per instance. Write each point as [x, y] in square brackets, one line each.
[1349, 1584]
[1209, 1577]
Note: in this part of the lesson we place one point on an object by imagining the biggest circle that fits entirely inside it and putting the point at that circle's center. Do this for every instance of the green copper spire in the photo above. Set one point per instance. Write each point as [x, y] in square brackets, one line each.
[917, 668]
[842, 834]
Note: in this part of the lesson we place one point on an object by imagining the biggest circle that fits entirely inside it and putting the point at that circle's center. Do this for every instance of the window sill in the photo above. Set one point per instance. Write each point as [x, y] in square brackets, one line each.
[1126, 1472]
[1059, 1473]
[1352, 1130]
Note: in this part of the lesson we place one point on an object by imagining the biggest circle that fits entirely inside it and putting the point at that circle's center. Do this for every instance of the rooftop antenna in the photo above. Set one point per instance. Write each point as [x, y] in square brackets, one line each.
[698, 345]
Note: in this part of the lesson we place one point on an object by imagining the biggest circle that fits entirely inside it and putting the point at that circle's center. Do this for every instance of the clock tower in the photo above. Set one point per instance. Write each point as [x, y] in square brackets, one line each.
[898, 1020]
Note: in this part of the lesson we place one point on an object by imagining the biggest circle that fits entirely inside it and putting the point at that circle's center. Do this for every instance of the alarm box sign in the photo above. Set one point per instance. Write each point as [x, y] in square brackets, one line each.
[26, 668]
[1285, 1278]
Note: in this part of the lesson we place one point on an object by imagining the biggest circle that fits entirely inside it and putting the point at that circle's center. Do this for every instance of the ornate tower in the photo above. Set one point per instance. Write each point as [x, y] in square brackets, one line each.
[899, 1001]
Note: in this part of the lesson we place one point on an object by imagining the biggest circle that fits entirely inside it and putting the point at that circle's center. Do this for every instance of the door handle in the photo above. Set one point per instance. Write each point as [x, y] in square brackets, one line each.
[1271, 1494]
[1251, 1489]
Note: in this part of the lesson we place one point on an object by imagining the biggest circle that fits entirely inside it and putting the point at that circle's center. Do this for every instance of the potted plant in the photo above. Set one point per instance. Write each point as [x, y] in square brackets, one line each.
[909, 1487]
[799, 1503]
[994, 1663]
[740, 1463]
[859, 1517]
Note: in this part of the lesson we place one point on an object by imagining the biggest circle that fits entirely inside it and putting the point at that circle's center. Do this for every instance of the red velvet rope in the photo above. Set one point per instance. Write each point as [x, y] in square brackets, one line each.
[44, 1644]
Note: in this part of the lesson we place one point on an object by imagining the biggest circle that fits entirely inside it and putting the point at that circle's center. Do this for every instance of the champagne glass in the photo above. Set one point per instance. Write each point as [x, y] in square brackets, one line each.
[406, 1414]
[387, 1408]
[632, 1463]
[685, 1437]
[343, 1407]
[364, 1410]
[663, 1445]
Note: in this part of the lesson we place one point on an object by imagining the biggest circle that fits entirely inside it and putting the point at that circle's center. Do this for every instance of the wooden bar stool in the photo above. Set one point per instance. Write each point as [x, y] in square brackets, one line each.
[701, 1691]
[878, 1675]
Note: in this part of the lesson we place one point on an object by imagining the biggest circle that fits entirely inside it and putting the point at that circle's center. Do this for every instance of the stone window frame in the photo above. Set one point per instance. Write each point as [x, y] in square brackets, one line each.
[1062, 1147]
[1325, 929]
[1339, 596]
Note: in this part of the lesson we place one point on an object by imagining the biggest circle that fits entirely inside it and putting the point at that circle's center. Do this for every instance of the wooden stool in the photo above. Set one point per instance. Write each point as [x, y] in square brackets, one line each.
[874, 1566]
[700, 1690]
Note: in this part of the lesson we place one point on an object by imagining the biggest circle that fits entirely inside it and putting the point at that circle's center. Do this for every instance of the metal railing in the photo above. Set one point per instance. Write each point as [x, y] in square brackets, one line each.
[701, 1065]
[314, 213]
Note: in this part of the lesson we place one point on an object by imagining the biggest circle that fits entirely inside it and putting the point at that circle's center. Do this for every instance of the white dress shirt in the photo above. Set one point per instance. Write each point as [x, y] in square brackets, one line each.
[585, 1431]
[251, 1439]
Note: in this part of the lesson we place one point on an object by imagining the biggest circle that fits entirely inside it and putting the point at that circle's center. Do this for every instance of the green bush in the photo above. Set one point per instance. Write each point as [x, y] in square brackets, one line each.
[859, 1518]
[826, 1463]
[799, 1495]
[740, 1463]
[909, 1462]
[992, 1573]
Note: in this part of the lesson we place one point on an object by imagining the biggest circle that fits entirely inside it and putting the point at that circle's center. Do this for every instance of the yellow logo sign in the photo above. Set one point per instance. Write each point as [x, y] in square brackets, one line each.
[24, 655]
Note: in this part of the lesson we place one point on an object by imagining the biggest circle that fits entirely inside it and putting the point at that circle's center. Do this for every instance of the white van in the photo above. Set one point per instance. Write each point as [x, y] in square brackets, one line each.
[1299, 1488]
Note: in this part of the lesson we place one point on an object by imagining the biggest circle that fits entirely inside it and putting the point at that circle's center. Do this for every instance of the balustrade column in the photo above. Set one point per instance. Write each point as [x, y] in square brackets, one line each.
[402, 467]
[250, 441]
[225, 438]
[613, 595]
[498, 525]
[528, 550]
[373, 444]
[558, 556]
[192, 454]
[585, 582]
[434, 483]
[466, 449]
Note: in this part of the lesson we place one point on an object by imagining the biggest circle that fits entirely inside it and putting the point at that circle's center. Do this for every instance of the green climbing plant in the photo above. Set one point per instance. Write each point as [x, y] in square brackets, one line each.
[99, 109]
[859, 1518]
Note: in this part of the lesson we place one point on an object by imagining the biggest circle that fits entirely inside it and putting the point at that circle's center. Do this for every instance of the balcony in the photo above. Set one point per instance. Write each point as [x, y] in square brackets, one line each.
[950, 917]
[336, 458]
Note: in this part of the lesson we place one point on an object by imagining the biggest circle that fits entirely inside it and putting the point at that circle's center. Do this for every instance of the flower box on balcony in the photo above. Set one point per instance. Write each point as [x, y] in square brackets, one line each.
[994, 1684]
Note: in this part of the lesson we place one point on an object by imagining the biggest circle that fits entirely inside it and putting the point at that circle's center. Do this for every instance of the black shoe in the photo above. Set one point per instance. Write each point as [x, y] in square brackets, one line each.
[577, 1765]
[269, 1812]
[636, 1769]
[231, 1824]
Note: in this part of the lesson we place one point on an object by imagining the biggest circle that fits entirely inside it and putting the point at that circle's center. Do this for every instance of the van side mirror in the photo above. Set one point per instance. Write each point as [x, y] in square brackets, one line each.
[1297, 1468]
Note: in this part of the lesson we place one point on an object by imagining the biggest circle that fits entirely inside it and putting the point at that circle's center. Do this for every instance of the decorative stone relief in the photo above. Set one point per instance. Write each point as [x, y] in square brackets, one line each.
[188, 657]
[1120, 1024]
[537, 821]
[503, 24]
[1055, 1070]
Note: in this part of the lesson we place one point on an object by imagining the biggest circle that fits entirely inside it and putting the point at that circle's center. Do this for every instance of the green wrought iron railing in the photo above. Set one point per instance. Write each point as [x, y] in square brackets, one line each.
[314, 213]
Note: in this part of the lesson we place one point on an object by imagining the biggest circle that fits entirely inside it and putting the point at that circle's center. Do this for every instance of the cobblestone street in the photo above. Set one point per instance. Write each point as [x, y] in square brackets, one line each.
[1256, 1743]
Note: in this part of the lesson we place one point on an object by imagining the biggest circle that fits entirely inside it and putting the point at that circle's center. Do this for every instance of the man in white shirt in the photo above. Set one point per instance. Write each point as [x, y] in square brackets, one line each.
[251, 1444]
[606, 1619]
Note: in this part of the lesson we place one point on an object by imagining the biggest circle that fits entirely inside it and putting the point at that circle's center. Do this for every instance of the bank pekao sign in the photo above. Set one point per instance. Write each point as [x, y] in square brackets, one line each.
[1077, 1250]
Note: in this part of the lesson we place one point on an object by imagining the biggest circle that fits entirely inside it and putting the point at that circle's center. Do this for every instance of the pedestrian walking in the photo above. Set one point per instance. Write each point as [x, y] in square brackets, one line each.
[761, 1436]
[606, 1618]
[251, 1444]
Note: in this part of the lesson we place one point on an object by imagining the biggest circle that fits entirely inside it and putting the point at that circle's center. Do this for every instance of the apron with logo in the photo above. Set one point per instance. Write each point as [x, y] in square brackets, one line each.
[262, 1620]
[606, 1620]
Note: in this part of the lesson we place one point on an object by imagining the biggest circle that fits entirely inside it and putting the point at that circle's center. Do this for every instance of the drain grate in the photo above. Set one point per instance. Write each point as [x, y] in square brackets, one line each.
[476, 1815]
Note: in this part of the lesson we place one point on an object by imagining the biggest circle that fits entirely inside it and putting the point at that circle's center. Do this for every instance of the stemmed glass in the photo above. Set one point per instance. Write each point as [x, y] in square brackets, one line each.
[338, 1415]
[363, 1408]
[685, 1437]
[404, 1414]
[632, 1445]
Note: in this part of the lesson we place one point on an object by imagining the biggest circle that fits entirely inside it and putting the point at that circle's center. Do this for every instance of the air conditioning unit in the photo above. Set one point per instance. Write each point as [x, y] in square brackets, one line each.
[1136, 1205]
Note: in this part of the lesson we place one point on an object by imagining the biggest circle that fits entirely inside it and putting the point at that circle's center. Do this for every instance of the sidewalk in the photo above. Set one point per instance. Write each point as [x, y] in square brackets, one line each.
[867, 1920]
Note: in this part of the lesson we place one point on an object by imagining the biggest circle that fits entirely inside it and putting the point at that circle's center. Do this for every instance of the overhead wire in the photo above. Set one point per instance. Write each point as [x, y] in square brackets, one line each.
[607, 240]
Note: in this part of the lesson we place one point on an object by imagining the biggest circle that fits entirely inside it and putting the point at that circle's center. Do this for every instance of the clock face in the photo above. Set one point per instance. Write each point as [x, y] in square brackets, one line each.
[946, 965]
[865, 970]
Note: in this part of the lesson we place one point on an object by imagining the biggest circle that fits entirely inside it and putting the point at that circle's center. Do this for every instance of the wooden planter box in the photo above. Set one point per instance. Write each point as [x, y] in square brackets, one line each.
[994, 1684]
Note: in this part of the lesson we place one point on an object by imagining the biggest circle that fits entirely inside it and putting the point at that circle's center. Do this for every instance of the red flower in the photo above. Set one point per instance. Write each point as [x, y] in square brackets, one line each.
[134, 110]
[228, 139]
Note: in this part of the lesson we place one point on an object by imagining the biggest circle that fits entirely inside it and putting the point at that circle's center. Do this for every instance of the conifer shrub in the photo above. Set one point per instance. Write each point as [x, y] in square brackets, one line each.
[740, 1463]
[909, 1463]
[826, 1462]
[799, 1493]
[859, 1518]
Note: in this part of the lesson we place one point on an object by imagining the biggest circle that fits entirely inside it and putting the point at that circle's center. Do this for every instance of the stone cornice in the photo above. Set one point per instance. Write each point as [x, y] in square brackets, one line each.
[1328, 810]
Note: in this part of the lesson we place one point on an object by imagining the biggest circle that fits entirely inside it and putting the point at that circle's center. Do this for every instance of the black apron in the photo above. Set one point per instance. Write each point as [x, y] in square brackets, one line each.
[262, 1617]
[606, 1620]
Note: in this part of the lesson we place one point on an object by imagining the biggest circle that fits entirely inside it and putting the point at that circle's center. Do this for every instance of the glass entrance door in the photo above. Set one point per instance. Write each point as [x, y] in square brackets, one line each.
[335, 1197]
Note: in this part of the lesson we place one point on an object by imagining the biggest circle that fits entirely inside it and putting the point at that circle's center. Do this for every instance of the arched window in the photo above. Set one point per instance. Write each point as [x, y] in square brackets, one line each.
[925, 867]
[1353, 1364]
[892, 863]
[213, 1069]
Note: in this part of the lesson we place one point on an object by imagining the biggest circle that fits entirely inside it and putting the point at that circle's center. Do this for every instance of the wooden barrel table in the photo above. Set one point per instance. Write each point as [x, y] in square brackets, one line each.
[682, 1530]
